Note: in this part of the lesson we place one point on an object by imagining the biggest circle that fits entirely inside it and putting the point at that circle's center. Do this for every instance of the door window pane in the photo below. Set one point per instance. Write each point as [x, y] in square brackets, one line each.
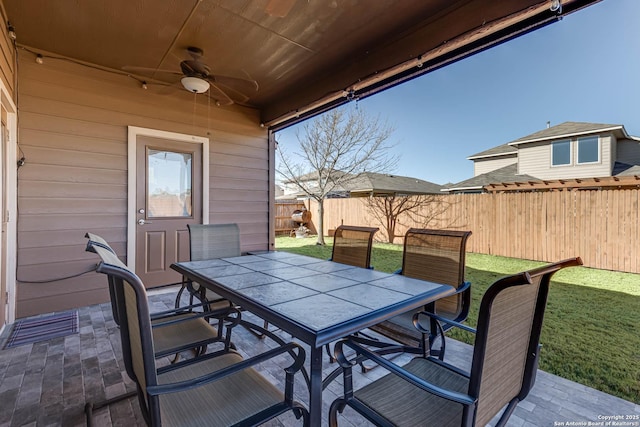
[588, 151]
[169, 184]
[561, 153]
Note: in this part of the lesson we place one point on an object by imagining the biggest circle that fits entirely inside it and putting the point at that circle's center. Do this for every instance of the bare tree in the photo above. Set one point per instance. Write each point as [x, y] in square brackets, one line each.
[421, 210]
[336, 148]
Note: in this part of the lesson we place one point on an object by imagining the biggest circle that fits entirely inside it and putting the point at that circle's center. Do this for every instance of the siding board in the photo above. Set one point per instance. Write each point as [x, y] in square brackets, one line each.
[65, 173]
[50, 238]
[67, 157]
[236, 161]
[39, 206]
[74, 223]
[76, 143]
[218, 171]
[7, 59]
[32, 121]
[57, 190]
[481, 166]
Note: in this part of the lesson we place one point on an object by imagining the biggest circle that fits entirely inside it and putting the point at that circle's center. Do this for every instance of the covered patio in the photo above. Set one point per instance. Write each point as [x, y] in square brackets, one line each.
[88, 90]
[49, 382]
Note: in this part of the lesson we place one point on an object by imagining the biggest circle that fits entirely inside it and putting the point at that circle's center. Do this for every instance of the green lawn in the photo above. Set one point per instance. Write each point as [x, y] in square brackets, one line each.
[591, 332]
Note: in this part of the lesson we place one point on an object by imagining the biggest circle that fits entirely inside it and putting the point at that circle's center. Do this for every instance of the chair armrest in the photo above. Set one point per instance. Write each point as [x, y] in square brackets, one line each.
[440, 319]
[173, 311]
[231, 315]
[454, 396]
[236, 367]
[463, 287]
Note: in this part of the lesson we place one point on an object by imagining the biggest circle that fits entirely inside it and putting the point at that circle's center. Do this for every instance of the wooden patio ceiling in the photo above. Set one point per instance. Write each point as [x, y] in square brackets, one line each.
[306, 56]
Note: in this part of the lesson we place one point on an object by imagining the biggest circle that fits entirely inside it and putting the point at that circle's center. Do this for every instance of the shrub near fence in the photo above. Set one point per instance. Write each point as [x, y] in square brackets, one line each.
[601, 226]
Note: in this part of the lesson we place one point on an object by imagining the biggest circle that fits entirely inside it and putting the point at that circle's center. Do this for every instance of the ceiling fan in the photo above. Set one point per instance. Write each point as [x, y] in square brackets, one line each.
[196, 77]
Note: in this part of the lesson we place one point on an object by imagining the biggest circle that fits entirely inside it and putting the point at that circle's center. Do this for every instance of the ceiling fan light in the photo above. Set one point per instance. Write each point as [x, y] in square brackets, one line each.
[195, 84]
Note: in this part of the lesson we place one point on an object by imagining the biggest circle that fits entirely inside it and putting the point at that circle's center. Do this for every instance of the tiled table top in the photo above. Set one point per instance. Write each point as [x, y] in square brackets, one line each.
[316, 301]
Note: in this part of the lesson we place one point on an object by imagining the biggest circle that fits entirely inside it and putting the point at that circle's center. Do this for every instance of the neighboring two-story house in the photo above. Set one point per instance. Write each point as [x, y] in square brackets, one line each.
[571, 150]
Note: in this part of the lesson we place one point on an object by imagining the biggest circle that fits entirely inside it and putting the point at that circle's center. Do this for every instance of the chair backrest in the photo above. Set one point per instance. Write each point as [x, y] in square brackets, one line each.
[507, 340]
[439, 256]
[352, 245]
[135, 328]
[95, 240]
[210, 241]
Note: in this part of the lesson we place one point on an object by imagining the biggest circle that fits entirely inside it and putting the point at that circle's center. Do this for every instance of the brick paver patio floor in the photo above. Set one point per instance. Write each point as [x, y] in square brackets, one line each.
[49, 382]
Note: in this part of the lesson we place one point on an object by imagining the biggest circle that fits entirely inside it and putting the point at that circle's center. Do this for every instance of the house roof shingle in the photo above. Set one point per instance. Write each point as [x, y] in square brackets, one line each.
[504, 174]
[568, 129]
[379, 183]
[624, 169]
[386, 183]
[500, 150]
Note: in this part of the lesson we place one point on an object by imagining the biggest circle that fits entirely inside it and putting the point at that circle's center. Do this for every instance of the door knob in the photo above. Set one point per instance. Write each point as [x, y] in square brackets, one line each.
[143, 222]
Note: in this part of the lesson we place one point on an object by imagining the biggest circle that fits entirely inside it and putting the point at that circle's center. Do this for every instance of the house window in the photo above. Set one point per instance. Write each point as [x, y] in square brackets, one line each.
[588, 150]
[561, 153]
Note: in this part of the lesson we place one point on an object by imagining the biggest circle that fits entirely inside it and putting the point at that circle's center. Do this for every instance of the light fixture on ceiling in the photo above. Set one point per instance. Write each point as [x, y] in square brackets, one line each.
[195, 84]
[556, 6]
[39, 59]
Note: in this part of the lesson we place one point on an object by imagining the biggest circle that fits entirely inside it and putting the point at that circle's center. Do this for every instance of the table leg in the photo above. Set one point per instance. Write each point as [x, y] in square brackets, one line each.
[315, 390]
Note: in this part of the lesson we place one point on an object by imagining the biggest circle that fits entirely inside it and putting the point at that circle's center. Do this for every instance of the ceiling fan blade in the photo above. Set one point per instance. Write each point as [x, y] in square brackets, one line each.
[168, 89]
[150, 70]
[231, 92]
[219, 95]
[242, 84]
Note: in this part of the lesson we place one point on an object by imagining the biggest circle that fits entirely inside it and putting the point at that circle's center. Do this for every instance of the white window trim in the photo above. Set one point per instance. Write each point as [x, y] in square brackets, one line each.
[133, 132]
[578, 162]
[570, 153]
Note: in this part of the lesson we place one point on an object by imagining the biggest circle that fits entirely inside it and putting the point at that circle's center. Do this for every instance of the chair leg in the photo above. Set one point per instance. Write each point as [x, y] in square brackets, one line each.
[328, 349]
[338, 405]
[257, 334]
[430, 351]
[89, 408]
[179, 295]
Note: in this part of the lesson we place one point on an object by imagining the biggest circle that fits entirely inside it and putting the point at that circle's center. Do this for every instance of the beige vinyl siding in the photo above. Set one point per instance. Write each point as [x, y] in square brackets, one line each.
[7, 61]
[73, 133]
[535, 160]
[628, 151]
[481, 166]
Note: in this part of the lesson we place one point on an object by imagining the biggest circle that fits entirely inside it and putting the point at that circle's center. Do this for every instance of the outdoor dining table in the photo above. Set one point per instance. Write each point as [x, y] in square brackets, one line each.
[314, 300]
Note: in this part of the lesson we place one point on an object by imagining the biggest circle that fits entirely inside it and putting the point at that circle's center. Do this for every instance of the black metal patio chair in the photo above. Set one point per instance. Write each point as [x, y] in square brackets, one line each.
[217, 389]
[174, 331]
[352, 245]
[435, 256]
[210, 241]
[429, 392]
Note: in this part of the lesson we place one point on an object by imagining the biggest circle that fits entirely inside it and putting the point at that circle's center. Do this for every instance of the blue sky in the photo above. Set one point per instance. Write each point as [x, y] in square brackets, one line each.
[585, 68]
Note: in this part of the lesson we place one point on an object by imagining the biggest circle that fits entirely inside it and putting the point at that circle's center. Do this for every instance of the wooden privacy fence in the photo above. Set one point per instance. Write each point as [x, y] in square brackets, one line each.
[284, 209]
[601, 226]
